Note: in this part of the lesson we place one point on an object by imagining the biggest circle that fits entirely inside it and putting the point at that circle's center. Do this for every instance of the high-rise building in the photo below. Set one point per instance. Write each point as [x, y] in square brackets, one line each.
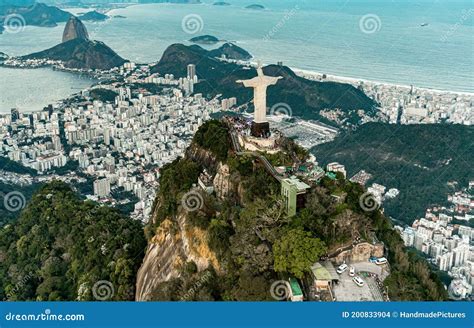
[408, 237]
[461, 254]
[419, 240]
[107, 136]
[445, 261]
[102, 187]
[15, 114]
[191, 71]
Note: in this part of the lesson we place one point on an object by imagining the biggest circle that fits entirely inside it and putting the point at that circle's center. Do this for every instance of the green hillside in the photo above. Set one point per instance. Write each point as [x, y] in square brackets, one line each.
[256, 242]
[418, 160]
[306, 98]
[62, 248]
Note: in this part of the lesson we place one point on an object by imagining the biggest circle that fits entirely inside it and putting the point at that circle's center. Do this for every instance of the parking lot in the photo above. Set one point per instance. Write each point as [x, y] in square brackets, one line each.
[347, 290]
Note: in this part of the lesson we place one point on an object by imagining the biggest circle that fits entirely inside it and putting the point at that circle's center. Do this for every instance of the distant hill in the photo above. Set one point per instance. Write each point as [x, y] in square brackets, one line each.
[419, 160]
[19, 3]
[204, 39]
[81, 54]
[306, 98]
[93, 16]
[255, 7]
[77, 51]
[38, 14]
[231, 51]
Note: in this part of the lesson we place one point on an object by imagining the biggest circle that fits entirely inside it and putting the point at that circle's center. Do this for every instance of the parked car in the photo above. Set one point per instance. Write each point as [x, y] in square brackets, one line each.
[342, 268]
[372, 259]
[352, 271]
[358, 281]
[381, 261]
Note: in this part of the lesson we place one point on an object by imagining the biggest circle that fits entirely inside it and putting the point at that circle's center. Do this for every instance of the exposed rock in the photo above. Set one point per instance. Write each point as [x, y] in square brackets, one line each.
[174, 244]
[162, 261]
[75, 29]
[222, 183]
[206, 158]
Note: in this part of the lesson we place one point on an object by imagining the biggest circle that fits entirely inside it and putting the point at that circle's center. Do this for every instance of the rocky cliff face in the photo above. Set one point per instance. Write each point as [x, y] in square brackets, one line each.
[177, 242]
[75, 29]
[174, 244]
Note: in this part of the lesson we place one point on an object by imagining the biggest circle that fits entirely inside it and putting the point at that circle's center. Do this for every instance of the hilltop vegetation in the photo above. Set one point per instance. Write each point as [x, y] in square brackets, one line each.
[254, 240]
[418, 160]
[61, 246]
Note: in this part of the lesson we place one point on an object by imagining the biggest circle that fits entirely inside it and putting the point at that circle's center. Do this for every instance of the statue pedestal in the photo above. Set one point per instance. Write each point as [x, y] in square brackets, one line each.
[260, 130]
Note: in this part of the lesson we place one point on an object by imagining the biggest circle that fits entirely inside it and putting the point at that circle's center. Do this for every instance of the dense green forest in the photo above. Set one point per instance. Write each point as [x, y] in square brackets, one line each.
[63, 248]
[104, 95]
[418, 160]
[256, 243]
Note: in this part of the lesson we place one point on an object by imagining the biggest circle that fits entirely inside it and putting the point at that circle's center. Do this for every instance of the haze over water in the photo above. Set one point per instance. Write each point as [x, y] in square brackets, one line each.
[323, 36]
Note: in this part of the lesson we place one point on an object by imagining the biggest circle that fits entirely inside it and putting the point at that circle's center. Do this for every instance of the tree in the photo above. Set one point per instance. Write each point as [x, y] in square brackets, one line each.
[296, 251]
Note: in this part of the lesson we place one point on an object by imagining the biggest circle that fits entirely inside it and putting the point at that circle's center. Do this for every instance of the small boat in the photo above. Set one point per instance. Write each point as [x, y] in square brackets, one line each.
[424, 24]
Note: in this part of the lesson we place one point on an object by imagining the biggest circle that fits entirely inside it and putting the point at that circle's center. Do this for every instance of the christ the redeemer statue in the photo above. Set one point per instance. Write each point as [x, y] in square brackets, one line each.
[260, 83]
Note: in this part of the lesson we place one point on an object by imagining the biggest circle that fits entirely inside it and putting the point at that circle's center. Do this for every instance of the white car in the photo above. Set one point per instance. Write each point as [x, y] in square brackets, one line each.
[358, 281]
[342, 268]
[352, 271]
[381, 261]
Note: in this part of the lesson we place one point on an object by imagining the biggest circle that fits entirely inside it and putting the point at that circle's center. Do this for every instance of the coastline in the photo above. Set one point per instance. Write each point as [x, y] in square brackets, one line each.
[352, 80]
[304, 73]
[315, 75]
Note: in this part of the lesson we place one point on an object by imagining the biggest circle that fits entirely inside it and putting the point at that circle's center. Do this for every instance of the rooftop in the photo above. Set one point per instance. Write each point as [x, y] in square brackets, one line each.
[295, 287]
[300, 185]
[320, 272]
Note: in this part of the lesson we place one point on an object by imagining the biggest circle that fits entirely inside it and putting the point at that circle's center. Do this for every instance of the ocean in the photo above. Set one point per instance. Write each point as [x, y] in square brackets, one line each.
[425, 43]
